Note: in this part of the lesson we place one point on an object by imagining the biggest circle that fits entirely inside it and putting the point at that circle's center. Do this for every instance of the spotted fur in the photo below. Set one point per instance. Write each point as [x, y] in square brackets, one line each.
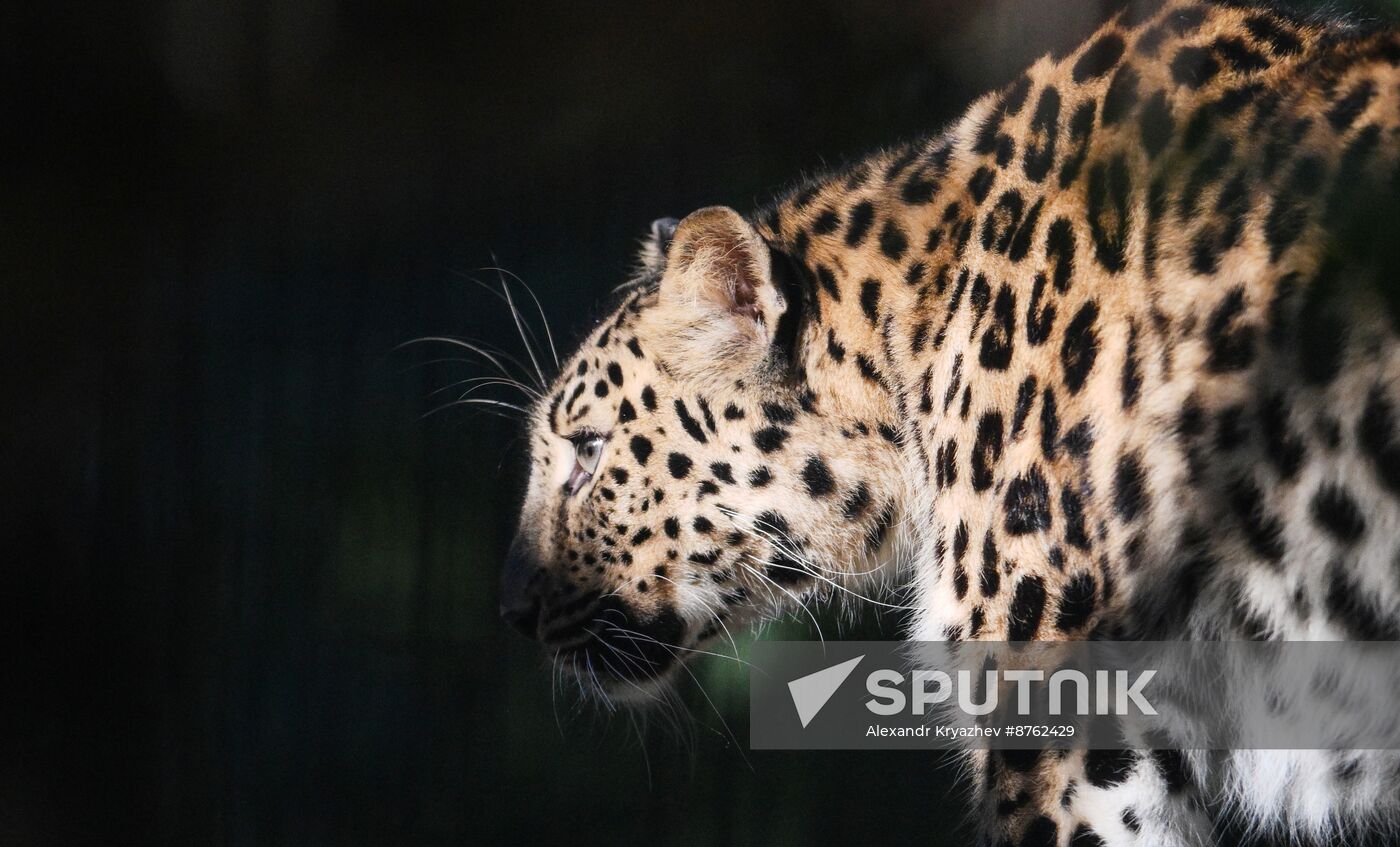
[1116, 355]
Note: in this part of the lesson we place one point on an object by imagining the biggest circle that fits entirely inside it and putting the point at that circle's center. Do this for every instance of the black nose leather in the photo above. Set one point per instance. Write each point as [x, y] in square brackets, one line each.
[523, 619]
[520, 602]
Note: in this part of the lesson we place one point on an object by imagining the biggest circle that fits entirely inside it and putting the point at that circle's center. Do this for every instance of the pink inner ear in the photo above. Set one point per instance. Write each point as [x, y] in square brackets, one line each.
[730, 261]
[744, 298]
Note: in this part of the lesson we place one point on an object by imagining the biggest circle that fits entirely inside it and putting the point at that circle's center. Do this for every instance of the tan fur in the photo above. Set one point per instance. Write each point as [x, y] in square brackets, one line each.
[1066, 353]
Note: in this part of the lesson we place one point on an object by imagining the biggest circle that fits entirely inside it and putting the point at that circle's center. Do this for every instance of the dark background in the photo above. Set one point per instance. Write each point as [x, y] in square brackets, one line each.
[250, 592]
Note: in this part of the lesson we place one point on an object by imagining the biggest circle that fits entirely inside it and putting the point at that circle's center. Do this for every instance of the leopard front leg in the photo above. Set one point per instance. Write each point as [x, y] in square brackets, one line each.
[1000, 589]
[1095, 798]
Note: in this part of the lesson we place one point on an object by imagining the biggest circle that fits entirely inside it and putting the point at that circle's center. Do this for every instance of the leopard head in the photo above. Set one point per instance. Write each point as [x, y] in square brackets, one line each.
[696, 467]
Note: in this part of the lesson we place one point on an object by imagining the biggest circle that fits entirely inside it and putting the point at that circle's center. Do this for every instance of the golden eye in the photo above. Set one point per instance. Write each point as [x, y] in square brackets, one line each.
[587, 453]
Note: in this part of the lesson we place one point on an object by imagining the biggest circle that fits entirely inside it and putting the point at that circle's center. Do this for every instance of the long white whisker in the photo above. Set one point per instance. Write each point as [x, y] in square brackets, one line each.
[678, 647]
[837, 586]
[698, 684]
[528, 330]
[544, 321]
[597, 684]
[520, 328]
[478, 387]
[615, 672]
[603, 622]
[487, 381]
[498, 358]
[795, 598]
[813, 567]
[734, 645]
[480, 401]
[641, 744]
[582, 692]
[713, 614]
[752, 527]
[556, 676]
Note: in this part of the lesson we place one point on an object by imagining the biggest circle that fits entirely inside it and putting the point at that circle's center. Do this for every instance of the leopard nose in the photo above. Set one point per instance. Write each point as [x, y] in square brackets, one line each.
[520, 601]
[524, 619]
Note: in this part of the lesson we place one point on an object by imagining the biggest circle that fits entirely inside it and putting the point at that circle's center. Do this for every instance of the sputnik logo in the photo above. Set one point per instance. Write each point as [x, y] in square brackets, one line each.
[811, 692]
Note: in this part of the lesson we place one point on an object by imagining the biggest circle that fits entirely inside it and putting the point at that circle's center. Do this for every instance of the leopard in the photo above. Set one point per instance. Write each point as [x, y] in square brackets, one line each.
[1112, 356]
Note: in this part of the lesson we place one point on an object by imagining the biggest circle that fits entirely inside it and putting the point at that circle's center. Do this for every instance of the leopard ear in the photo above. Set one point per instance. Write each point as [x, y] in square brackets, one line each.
[651, 256]
[718, 308]
[718, 261]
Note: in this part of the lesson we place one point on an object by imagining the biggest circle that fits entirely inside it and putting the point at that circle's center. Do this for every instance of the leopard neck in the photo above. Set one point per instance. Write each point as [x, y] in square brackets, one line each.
[871, 246]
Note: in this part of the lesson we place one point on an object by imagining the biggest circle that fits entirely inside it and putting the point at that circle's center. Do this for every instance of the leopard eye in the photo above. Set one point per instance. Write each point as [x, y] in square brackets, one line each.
[587, 453]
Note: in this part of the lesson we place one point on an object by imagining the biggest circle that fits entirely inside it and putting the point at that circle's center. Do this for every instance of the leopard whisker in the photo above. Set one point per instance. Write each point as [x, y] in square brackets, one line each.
[526, 332]
[716, 616]
[616, 674]
[488, 381]
[811, 568]
[520, 328]
[597, 684]
[495, 357]
[669, 646]
[837, 586]
[544, 321]
[784, 546]
[791, 595]
[701, 686]
[481, 401]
